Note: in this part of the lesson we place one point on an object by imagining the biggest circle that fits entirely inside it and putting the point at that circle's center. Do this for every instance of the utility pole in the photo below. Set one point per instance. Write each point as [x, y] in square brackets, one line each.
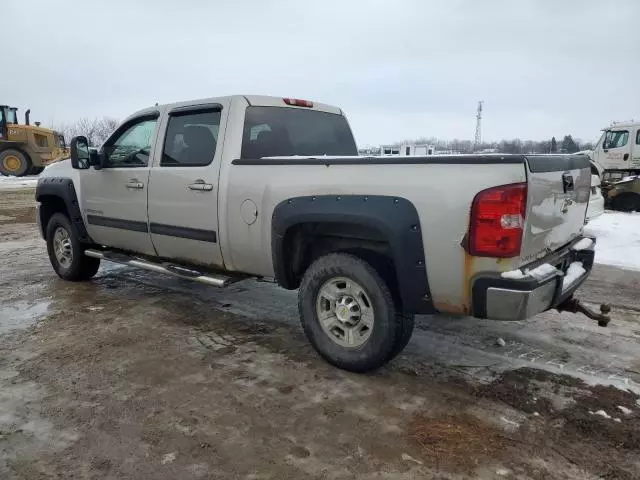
[478, 137]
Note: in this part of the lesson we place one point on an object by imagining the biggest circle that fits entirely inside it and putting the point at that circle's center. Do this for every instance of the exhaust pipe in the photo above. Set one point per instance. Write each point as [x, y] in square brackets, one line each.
[27, 114]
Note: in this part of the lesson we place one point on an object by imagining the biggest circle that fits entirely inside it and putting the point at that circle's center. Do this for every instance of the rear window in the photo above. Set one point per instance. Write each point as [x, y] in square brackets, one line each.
[279, 132]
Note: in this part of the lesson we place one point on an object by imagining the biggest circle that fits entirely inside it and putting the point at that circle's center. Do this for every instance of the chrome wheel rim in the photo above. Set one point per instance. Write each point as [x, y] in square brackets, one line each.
[62, 247]
[345, 312]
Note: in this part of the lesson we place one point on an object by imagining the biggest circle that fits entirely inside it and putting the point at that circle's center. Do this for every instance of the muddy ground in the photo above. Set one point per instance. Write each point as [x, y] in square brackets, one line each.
[139, 377]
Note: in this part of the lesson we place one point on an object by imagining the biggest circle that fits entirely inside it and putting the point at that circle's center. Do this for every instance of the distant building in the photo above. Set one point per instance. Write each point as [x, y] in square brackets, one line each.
[368, 151]
[407, 150]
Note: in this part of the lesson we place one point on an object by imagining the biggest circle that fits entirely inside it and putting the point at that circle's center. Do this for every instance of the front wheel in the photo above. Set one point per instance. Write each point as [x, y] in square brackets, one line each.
[14, 162]
[66, 253]
[349, 315]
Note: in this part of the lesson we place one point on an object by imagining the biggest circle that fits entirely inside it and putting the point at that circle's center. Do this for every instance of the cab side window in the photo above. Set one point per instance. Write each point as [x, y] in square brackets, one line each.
[192, 138]
[132, 147]
[615, 139]
[638, 137]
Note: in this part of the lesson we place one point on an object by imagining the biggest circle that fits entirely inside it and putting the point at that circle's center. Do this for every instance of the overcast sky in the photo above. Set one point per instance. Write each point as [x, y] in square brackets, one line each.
[399, 69]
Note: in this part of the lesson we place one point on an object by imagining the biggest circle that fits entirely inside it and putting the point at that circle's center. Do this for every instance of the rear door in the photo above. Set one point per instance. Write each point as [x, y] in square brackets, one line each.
[557, 201]
[114, 198]
[183, 185]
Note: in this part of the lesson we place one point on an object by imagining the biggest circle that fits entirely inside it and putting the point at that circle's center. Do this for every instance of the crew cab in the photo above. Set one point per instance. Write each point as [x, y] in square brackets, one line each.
[222, 189]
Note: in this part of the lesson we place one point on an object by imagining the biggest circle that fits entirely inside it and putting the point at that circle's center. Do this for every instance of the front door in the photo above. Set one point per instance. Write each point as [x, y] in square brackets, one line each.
[616, 150]
[635, 151]
[114, 198]
[183, 186]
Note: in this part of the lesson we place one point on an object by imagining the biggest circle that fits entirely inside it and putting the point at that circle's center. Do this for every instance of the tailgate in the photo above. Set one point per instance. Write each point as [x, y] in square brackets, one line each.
[557, 200]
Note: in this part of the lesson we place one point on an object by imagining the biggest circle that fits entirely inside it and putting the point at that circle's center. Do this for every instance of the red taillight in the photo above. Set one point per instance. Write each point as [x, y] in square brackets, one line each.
[296, 102]
[497, 221]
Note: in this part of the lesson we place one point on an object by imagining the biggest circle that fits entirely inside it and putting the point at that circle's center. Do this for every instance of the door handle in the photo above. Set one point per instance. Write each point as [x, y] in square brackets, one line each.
[135, 184]
[626, 157]
[201, 187]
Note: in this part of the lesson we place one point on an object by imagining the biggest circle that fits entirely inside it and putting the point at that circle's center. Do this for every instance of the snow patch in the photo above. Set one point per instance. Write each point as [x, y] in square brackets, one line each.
[169, 458]
[574, 272]
[627, 179]
[601, 413]
[14, 183]
[625, 410]
[513, 275]
[618, 239]
[540, 272]
[408, 458]
[583, 244]
[510, 422]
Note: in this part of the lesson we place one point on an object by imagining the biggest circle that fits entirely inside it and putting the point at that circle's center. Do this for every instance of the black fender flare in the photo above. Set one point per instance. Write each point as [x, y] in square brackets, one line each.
[396, 218]
[63, 189]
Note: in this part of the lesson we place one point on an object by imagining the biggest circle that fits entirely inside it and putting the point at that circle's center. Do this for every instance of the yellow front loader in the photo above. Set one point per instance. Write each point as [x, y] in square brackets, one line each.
[27, 149]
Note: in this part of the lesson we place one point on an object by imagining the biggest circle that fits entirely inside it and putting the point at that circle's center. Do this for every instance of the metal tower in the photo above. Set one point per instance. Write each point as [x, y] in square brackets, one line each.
[478, 137]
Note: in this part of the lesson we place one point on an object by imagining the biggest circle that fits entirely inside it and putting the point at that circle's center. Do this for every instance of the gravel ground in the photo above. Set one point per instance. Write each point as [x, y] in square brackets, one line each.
[137, 376]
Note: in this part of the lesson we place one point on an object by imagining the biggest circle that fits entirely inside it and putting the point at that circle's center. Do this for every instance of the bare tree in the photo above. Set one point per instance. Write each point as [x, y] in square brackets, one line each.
[97, 130]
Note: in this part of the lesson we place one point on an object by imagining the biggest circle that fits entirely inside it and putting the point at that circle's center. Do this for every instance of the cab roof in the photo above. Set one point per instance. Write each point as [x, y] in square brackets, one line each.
[253, 100]
[626, 124]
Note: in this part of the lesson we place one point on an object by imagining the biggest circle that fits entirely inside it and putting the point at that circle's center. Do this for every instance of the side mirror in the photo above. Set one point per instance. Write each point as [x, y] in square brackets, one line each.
[80, 156]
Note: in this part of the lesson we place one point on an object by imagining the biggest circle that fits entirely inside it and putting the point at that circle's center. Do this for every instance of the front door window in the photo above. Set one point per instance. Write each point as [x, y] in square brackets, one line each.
[615, 139]
[132, 147]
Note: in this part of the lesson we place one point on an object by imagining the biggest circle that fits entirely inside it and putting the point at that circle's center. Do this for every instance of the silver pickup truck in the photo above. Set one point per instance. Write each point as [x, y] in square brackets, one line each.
[222, 189]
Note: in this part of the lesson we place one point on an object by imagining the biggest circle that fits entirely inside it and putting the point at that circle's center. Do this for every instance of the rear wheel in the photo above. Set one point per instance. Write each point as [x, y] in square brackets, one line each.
[349, 315]
[404, 331]
[66, 253]
[14, 162]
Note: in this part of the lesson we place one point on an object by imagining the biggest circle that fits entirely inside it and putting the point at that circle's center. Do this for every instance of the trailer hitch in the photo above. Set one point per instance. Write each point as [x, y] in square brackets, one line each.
[574, 305]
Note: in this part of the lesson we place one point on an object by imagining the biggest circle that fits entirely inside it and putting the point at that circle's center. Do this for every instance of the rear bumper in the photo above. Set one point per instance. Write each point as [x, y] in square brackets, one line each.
[500, 298]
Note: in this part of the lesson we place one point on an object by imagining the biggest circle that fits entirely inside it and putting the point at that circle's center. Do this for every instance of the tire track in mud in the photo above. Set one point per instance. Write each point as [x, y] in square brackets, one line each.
[560, 343]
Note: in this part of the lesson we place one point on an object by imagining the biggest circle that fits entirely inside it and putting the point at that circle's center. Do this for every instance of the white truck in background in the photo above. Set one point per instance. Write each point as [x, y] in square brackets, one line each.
[221, 189]
[617, 152]
[616, 156]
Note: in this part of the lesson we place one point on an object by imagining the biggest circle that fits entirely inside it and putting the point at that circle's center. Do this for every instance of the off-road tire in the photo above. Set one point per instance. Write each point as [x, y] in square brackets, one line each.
[405, 323]
[390, 332]
[10, 156]
[80, 266]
